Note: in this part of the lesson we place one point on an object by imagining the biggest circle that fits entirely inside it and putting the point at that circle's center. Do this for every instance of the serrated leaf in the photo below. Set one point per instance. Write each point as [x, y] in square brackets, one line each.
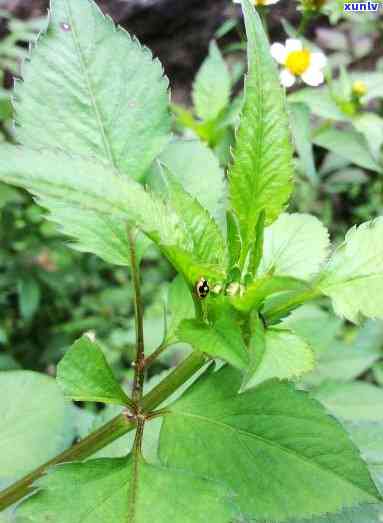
[234, 241]
[212, 86]
[260, 177]
[284, 356]
[122, 491]
[353, 277]
[93, 90]
[208, 242]
[348, 144]
[273, 446]
[74, 188]
[315, 325]
[222, 340]
[295, 245]
[85, 375]
[36, 422]
[185, 158]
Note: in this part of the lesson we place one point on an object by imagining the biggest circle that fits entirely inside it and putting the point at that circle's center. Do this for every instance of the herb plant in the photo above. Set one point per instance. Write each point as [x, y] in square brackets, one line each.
[237, 441]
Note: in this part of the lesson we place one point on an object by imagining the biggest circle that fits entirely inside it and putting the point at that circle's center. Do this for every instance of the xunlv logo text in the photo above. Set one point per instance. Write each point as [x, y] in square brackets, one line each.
[365, 6]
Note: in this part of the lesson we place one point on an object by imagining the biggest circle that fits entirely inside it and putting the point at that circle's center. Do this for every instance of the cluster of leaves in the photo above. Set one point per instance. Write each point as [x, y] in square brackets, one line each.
[241, 444]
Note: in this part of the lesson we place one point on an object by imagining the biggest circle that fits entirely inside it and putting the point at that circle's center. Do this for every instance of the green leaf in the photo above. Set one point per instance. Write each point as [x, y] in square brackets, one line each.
[212, 86]
[260, 177]
[36, 422]
[349, 145]
[343, 361]
[234, 241]
[371, 126]
[284, 356]
[122, 491]
[300, 123]
[273, 446]
[222, 340]
[180, 305]
[257, 249]
[84, 375]
[320, 102]
[103, 94]
[262, 288]
[356, 401]
[29, 297]
[77, 190]
[185, 158]
[318, 327]
[208, 242]
[295, 245]
[353, 277]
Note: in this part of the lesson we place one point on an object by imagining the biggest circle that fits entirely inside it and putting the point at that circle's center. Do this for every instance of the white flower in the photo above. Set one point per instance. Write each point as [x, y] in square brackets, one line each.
[299, 62]
[259, 2]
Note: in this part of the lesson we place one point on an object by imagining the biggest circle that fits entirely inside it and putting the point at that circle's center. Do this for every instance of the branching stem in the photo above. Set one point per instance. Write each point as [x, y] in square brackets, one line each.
[113, 430]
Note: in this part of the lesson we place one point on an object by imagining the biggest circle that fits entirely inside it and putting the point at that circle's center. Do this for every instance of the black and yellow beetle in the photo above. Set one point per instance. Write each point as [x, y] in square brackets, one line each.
[202, 288]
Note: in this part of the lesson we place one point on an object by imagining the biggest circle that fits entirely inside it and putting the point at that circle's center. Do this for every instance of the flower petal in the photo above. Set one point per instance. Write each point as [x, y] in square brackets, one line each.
[278, 52]
[313, 76]
[292, 44]
[318, 60]
[287, 78]
[270, 2]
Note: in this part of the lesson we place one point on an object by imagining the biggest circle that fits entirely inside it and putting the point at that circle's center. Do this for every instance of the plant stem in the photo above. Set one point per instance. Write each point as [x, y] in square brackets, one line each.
[109, 432]
[139, 371]
[112, 430]
[262, 11]
[154, 355]
[304, 23]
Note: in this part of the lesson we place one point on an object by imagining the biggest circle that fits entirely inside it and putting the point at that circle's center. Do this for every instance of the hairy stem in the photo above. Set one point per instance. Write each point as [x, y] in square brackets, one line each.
[109, 432]
[139, 370]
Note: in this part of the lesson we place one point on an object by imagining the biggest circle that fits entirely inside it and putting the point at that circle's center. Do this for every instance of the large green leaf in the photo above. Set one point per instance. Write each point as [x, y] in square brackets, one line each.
[295, 245]
[284, 356]
[222, 340]
[261, 175]
[91, 89]
[212, 86]
[36, 422]
[353, 277]
[84, 375]
[120, 490]
[179, 306]
[82, 194]
[273, 446]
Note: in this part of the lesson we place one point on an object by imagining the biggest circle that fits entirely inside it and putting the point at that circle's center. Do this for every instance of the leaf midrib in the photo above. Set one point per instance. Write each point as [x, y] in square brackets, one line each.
[107, 146]
[269, 443]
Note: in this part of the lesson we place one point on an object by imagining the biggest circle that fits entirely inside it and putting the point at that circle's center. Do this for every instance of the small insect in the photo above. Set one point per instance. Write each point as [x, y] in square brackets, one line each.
[202, 288]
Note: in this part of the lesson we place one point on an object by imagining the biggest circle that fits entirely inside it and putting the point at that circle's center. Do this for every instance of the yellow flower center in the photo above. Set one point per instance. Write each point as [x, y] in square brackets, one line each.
[260, 2]
[298, 62]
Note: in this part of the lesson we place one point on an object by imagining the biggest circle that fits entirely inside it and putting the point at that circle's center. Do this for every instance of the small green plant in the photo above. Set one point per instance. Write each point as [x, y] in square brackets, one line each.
[237, 441]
